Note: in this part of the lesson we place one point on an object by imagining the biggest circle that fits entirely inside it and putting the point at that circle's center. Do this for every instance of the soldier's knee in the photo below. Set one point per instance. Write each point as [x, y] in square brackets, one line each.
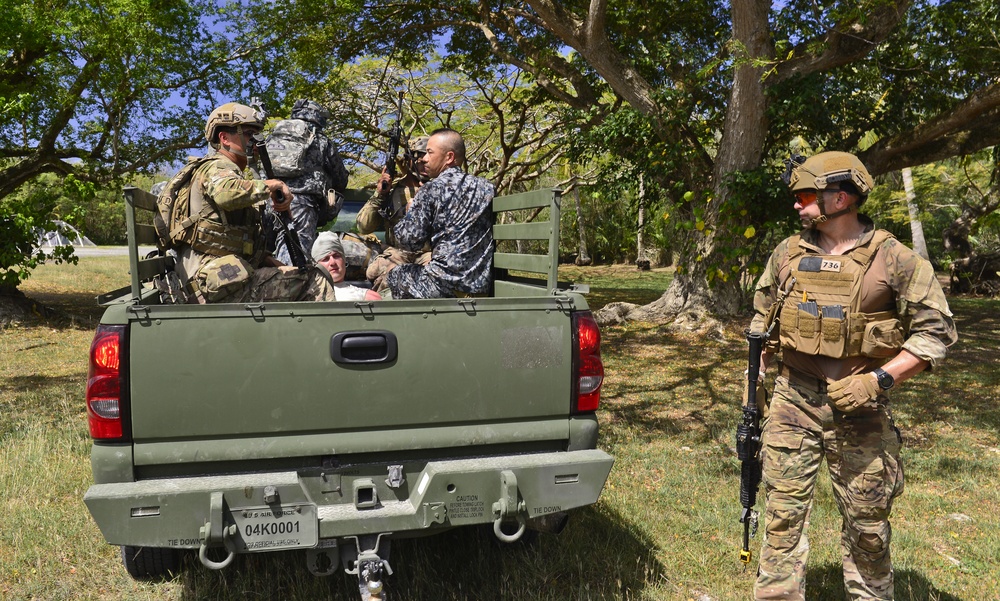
[783, 526]
[872, 543]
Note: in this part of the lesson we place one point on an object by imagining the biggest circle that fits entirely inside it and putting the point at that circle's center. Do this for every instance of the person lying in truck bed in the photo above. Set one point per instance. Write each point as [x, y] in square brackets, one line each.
[328, 252]
[453, 212]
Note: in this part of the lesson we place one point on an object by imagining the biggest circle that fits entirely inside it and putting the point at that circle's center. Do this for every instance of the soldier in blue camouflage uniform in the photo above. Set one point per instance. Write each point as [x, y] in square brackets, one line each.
[324, 171]
[220, 248]
[863, 314]
[453, 212]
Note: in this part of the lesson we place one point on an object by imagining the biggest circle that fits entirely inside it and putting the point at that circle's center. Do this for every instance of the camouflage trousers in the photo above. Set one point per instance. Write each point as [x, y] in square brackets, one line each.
[390, 258]
[287, 284]
[231, 279]
[862, 454]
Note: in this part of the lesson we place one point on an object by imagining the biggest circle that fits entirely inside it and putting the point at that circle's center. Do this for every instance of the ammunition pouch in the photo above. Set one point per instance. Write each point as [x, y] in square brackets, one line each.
[828, 320]
[222, 278]
[216, 239]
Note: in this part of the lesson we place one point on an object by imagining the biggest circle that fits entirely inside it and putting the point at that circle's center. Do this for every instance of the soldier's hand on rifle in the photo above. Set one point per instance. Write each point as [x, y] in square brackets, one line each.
[384, 186]
[281, 196]
[854, 392]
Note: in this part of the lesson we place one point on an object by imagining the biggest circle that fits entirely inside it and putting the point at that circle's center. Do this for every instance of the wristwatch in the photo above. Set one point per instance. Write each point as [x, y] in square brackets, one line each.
[885, 380]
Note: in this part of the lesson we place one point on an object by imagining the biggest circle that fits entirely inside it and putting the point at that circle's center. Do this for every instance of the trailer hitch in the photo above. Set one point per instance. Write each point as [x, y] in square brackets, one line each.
[369, 565]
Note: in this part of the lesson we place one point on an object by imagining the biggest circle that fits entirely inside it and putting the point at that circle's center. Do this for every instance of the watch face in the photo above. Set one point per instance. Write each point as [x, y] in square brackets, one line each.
[885, 381]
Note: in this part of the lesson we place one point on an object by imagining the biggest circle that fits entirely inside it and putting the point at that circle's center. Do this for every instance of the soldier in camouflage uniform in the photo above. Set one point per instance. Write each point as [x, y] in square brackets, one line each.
[221, 256]
[387, 207]
[863, 314]
[452, 212]
[324, 171]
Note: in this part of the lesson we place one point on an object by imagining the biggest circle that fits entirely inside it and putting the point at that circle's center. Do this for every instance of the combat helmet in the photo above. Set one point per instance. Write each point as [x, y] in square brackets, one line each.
[311, 111]
[416, 148]
[231, 114]
[828, 170]
[418, 144]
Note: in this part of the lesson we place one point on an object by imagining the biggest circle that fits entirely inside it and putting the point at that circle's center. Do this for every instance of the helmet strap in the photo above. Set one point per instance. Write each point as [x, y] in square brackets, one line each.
[823, 215]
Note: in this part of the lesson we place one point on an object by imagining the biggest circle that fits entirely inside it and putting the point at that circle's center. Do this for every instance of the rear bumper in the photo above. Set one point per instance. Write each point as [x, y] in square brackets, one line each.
[356, 499]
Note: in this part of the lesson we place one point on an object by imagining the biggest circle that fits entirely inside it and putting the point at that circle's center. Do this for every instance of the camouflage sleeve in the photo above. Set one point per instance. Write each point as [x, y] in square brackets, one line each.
[766, 290]
[921, 304]
[414, 229]
[230, 190]
[368, 219]
[335, 167]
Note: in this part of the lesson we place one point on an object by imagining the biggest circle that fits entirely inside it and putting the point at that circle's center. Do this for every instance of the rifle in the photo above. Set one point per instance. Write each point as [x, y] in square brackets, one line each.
[395, 136]
[748, 446]
[295, 252]
[748, 430]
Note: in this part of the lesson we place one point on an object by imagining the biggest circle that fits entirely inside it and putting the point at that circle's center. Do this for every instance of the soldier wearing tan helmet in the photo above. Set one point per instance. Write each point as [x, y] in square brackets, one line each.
[218, 239]
[387, 207]
[860, 313]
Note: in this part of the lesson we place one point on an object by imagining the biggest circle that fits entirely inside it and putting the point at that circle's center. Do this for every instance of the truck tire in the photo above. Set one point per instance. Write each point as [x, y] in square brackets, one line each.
[151, 563]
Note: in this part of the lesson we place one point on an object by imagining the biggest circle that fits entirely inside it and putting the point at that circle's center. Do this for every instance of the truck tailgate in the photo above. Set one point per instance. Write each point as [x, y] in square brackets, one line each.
[296, 379]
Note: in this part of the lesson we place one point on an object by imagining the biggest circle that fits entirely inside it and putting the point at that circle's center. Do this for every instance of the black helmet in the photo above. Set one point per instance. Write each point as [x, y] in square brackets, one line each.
[311, 111]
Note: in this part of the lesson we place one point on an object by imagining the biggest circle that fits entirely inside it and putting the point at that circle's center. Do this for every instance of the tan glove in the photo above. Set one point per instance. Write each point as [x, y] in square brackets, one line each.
[854, 392]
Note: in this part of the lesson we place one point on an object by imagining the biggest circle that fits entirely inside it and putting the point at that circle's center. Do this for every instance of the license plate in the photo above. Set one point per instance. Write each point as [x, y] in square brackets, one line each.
[271, 528]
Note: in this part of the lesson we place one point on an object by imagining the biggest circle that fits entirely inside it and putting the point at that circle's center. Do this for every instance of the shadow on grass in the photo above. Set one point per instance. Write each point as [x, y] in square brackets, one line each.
[600, 555]
[826, 583]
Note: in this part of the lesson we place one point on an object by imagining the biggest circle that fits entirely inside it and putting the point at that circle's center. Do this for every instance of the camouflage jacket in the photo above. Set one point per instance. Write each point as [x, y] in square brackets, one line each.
[897, 280]
[453, 213]
[237, 196]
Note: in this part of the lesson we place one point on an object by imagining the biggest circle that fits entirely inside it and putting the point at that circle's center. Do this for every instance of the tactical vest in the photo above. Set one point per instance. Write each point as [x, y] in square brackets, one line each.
[198, 222]
[822, 315]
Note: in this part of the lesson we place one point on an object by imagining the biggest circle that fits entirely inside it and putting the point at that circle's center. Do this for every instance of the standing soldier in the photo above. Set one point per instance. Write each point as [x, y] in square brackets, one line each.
[308, 161]
[387, 207]
[864, 313]
[218, 237]
[451, 212]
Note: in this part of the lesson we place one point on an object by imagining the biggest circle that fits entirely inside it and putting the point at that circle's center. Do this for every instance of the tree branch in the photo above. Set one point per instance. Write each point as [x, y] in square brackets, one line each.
[842, 44]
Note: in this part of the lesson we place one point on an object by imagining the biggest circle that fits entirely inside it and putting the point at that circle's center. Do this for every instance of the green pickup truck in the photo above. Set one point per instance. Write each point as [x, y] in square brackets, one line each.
[335, 427]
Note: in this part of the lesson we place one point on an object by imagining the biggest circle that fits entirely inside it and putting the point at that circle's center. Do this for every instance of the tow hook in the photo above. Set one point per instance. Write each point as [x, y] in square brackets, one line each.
[508, 508]
[214, 532]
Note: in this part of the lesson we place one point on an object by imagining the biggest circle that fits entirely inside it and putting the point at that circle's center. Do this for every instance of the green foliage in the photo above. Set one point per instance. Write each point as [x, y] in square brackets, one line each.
[93, 90]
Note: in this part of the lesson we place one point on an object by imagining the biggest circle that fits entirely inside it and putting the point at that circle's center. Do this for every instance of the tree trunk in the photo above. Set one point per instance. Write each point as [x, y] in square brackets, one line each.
[640, 245]
[916, 226]
[700, 288]
[582, 257]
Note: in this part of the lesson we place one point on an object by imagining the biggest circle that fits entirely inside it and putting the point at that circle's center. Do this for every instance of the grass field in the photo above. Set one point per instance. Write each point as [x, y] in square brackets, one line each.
[665, 528]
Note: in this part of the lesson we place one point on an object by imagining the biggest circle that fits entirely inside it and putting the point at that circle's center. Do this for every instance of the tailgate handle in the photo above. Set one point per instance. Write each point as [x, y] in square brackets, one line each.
[372, 346]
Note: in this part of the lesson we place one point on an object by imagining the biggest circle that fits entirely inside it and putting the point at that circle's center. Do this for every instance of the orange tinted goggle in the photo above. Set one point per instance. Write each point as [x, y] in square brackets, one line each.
[805, 197]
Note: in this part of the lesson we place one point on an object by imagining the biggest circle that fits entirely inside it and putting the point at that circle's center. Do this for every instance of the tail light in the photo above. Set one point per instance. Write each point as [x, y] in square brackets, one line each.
[104, 383]
[587, 359]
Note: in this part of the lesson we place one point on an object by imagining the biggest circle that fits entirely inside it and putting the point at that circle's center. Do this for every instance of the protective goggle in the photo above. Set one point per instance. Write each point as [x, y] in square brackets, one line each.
[805, 197]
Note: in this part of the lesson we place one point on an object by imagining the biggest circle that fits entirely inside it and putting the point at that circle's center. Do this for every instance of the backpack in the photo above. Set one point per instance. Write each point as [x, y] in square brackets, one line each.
[173, 206]
[288, 146]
